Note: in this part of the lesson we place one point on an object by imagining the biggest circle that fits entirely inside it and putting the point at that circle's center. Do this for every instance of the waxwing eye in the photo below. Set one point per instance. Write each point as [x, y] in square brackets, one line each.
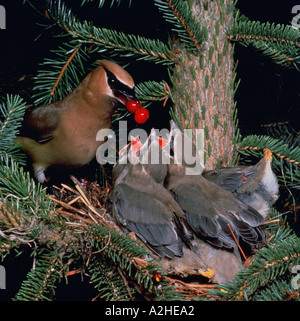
[111, 81]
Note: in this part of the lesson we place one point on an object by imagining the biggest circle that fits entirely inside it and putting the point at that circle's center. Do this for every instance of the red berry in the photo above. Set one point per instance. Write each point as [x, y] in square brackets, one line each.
[85, 183]
[141, 115]
[133, 106]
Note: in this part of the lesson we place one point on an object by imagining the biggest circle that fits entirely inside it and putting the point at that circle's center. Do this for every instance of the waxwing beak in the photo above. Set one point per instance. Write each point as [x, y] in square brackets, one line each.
[124, 149]
[153, 139]
[173, 126]
[173, 130]
[149, 143]
[123, 96]
[176, 135]
[159, 149]
[176, 143]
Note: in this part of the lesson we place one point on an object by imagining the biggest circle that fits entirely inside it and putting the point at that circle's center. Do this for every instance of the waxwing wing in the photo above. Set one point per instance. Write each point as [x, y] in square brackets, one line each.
[63, 134]
[254, 185]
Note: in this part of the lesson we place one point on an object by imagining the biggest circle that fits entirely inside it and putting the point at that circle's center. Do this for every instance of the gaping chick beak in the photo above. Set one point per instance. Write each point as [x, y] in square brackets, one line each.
[134, 146]
[174, 132]
[155, 150]
[145, 149]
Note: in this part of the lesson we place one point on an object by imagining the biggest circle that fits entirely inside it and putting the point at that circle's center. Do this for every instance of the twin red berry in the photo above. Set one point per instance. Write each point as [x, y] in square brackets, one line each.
[141, 115]
[133, 106]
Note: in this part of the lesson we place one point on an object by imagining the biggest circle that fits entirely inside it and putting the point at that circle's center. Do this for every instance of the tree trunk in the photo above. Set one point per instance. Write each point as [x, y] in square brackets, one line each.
[203, 83]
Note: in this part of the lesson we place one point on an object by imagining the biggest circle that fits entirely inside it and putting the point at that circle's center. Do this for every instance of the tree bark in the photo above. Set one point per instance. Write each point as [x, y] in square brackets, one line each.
[203, 83]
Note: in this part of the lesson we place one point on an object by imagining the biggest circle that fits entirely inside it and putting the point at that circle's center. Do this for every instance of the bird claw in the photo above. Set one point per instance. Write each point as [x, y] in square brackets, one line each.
[39, 174]
[209, 273]
[132, 236]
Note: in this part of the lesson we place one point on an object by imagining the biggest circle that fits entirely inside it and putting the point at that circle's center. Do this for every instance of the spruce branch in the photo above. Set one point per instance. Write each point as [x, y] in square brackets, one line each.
[279, 290]
[41, 279]
[106, 40]
[107, 279]
[284, 130]
[64, 69]
[179, 14]
[252, 143]
[153, 91]
[15, 181]
[277, 41]
[267, 265]
[62, 73]
[11, 115]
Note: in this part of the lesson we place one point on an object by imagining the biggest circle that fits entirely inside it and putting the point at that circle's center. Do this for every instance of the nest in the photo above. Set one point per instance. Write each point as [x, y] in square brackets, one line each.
[89, 203]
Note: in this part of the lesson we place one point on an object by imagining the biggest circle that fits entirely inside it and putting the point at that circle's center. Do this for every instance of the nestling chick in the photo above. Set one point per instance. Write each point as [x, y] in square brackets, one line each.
[254, 185]
[142, 205]
[120, 168]
[63, 134]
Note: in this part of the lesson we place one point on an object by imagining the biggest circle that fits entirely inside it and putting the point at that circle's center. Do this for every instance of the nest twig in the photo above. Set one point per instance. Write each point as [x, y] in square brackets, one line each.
[82, 204]
[192, 290]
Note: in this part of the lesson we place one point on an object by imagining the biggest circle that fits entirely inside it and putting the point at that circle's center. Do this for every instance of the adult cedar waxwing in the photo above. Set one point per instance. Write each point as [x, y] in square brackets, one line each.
[142, 205]
[63, 134]
[254, 185]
